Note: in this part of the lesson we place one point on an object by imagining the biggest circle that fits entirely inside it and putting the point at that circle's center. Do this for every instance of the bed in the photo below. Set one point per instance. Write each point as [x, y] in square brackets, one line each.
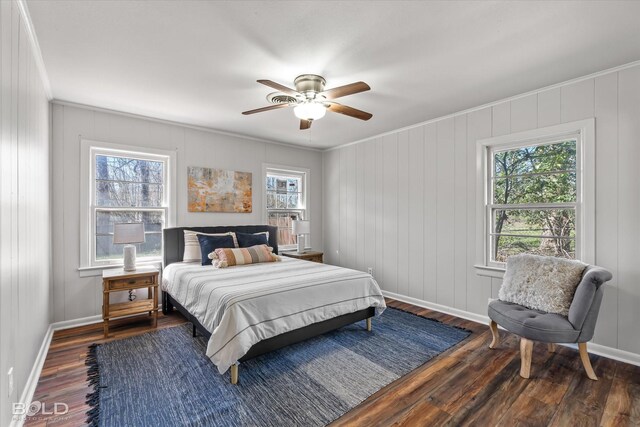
[246, 311]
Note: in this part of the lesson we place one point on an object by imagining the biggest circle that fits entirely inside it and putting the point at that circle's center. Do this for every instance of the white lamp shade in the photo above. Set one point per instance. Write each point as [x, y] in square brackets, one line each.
[126, 233]
[301, 227]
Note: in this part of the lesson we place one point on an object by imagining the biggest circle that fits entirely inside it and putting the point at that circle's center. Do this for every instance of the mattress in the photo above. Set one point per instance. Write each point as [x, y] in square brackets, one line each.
[243, 305]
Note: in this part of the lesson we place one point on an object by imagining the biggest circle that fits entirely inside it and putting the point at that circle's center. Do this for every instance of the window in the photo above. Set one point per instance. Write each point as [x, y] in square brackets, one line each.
[535, 198]
[286, 201]
[125, 186]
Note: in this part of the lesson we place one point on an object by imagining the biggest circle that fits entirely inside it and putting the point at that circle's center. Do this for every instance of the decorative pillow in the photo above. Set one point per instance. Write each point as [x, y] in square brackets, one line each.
[192, 251]
[246, 240]
[541, 283]
[209, 244]
[223, 258]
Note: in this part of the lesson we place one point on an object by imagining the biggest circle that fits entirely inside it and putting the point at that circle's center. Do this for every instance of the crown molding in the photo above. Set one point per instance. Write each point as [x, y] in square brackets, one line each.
[35, 46]
[491, 104]
[179, 124]
[37, 53]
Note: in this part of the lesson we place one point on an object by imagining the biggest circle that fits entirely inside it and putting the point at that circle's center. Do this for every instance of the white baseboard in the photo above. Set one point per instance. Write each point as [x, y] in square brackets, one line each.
[36, 370]
[34, 375]
[74, 323]
[600, 350]
[613, 353]
[478, 318]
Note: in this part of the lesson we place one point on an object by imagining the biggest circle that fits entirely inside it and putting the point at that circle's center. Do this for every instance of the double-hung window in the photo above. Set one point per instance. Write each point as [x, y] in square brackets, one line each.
[535, 196]
[286, 201]
[126, 186]
[533, 200]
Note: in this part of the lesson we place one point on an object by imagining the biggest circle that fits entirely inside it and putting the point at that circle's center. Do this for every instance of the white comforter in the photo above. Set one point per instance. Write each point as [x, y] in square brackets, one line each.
[244, 305]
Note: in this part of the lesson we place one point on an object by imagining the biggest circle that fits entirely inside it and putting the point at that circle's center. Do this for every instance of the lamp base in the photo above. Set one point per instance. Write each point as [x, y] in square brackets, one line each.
[300, 244]
[129, 254]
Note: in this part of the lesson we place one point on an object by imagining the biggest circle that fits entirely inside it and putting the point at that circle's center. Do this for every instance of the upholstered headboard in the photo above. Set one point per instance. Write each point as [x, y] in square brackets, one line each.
[174, 238]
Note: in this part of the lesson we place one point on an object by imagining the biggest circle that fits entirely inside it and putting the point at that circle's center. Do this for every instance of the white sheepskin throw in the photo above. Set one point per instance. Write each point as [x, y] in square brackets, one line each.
[541, 283]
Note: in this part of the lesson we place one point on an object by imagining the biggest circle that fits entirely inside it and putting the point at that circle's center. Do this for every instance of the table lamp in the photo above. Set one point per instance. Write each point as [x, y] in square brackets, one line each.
[300, 228]
[128, 234]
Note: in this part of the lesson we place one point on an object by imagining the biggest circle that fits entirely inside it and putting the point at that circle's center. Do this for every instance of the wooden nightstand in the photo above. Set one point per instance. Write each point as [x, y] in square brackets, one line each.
[313, 256]
[118, 280]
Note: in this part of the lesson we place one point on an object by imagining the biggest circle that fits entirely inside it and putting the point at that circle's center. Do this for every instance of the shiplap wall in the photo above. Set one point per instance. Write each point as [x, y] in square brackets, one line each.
[405, 203]
[25, 263]
[77, 297]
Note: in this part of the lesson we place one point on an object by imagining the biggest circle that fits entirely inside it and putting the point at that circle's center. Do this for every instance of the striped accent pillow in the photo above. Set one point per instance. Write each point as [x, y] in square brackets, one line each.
[225, 257]
[192, 252]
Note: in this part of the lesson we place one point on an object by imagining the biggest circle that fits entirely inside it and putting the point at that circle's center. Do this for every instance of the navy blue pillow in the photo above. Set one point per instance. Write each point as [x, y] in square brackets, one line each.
[209, 244]
[246, 240]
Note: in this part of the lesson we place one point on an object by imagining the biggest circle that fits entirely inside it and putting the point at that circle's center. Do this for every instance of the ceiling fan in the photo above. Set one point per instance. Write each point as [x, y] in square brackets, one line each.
[310, 101]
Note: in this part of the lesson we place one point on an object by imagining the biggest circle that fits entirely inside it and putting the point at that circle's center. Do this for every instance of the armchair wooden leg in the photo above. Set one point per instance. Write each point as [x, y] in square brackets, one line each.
[584, 356]
[526, 348]
[551, 347]
[234, 373]
[495, 333]
[369, 324]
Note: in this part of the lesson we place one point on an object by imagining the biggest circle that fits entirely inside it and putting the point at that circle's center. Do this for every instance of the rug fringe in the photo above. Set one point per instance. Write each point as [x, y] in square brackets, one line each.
[93, 376]
[433, 320]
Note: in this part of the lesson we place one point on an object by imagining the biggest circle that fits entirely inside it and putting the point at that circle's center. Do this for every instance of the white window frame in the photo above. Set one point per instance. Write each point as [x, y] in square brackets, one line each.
[584, 133]
[305, 174]
[89, 150]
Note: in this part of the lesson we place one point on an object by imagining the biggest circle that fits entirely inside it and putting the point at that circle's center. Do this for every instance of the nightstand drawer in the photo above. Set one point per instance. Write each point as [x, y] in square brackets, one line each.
[132, 282]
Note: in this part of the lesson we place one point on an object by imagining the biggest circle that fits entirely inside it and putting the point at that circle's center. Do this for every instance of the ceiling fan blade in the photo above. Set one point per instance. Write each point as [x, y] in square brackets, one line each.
[349, 111]
[279, 87]
[305, 124]
[345, 90]
[270, 107]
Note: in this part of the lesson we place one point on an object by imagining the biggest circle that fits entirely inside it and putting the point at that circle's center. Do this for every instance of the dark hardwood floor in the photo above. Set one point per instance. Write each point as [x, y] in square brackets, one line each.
[466, 385]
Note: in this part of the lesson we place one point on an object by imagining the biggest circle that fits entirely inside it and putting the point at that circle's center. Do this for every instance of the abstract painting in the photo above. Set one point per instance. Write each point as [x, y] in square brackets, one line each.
[217, 190]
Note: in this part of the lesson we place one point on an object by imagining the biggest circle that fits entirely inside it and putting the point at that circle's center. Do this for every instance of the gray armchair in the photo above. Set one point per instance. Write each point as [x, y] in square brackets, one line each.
[534, 325]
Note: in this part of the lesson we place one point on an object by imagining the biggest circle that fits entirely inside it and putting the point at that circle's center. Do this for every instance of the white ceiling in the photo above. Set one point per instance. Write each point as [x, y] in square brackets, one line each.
[198, 62]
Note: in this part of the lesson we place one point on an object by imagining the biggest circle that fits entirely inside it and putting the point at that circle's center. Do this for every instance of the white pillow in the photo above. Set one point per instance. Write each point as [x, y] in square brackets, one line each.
[192, 251]
[541, 282]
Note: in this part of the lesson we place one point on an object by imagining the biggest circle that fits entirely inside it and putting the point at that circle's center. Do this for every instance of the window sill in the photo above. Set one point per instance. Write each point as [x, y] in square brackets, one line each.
[487, 271]
[96, 270]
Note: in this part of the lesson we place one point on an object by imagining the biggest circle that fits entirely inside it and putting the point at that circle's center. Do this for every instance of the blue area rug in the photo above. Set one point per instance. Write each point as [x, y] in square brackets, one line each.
[163, 378]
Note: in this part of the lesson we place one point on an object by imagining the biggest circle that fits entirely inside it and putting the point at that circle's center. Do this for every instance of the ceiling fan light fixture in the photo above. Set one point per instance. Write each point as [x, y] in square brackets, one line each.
[310, 100]
[310, 111]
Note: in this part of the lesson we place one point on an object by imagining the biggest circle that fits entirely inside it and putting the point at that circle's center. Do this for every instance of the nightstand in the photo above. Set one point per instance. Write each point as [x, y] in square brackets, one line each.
[313, 256]
[118, 280]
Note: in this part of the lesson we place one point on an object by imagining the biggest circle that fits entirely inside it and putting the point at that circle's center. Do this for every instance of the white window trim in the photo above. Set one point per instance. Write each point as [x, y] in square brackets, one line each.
[585, 169]
[88, 148]
[305, 191]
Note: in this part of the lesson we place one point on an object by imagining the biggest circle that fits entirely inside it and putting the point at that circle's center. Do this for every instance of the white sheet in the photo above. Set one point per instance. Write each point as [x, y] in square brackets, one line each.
[244, 305]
